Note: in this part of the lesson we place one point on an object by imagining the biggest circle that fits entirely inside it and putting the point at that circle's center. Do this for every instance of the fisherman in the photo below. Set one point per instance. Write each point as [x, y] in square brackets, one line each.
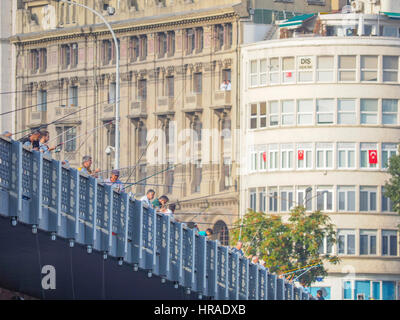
[146, 199]
[113, 181]
[32, 141]
[85, 168]
[238, 248]
[161, 203]
[206, 233]
[44, 138]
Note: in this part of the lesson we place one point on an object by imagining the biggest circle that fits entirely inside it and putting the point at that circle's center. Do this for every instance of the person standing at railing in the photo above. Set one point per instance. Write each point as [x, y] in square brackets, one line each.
[113, 181]
[161, 203]
[43, 146]
[146, 199]
[238, 249]
[86, 167]
[207, 233]
[6, 134]
[32, 141]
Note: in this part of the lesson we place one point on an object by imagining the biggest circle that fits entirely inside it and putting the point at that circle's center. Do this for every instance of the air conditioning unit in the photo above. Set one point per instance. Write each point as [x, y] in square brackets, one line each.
[356, 6]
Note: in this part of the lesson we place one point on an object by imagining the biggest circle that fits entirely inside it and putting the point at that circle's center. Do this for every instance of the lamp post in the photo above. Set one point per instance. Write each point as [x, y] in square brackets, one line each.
[117, 84]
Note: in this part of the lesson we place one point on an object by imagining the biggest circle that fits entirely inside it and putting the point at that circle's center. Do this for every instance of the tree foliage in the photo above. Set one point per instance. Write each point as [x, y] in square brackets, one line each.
[392, 187]
[290, 244]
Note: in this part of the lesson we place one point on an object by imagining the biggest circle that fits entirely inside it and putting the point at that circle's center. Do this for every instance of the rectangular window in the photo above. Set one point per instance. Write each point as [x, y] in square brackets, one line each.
[42, 101]
[262, 199]
[142, 90]
[367, 242]
[273, 153]
[287, 201]
[287, 156]
[287, 113]
[111, 92]
[170, 86]
[369, 68]
[253, 199]
[143, 47]
[390, 68]
[389, 111]
[274, 70]
[324, 154]
[368, 199]
[389, 242]
[70, 138]
[74, 55]
[197, 83]
[304, 156]
[368, 155]
[219, 37]
[262, 156]
[305, 68]
[199, 39]
[387, 204]
[388, 150]
[162, 44]
[171, 43]
[263, 72]
[253, 161]
[134, 48]
[325, 111]
[273, 200]
[346, 198]
[369, 111]
[190, 38]
[346, 111]
[253, 73]
[253, 116]
[263, 114]
[273, 113]
[305, 112]
[73, 96]
[346, 241]
[304, 198]
[346, 155]
[325, 247]
[347, 68]
[325, 69]
[324, 199]
[288, 70]
[34, 58]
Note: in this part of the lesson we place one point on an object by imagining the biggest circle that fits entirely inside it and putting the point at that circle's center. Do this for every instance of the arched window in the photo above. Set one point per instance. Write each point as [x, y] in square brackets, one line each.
[221, 232]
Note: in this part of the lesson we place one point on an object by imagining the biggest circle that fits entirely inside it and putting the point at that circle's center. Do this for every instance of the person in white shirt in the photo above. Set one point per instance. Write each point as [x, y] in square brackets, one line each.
[146, 200]
[114, 182]
[228, 85]
[223, 85]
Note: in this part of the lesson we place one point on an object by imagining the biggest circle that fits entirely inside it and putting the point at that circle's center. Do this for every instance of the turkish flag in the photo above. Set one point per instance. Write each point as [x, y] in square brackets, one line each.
[264, 156]
[300, 154]
[373, 156]
[288, 74]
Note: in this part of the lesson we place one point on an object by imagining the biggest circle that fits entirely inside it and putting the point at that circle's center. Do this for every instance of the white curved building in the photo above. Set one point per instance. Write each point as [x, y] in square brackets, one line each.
[319, 120]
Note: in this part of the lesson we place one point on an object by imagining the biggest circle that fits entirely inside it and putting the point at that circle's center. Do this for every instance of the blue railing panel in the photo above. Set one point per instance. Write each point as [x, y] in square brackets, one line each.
[211, 263]
[200, 264]
[262, 284]
[188, 249]
[233, 276]
[5, 164]
[272, 285]
[243, 278]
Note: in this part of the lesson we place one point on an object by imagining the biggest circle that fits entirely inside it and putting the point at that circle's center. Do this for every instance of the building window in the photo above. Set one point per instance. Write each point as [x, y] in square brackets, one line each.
[273, 113]
[367, 242]
[305, 69]
[346, 155]
[253, 199]
[253, 73]
[325, 247]
[325, 69]
[197, 175]
[107, 51]
[346, 111]
[347, 68]
[287, 200]
[199, 39]
[263, 160]
[133, 48]
[162, 44]
[287, 114]
[143, 47]
[42, 101]
[346, 199]
[190, 41]
[171, 43]
[253, 161]
[222, 232]
[197, 82]
[389, 243]
[369, 111]
[273, 200]
[274, 70]
[111, 92]
[263, 72]
[263, 114]
[38, 58]
[219, 36]
[304, 156]
[253, 116]
[73, 96]
[170, 86]
[388, 150]
[142, 90]
[273, 153]
[288, 70]
[368, 199]
[324, 199]
[228, 35]
[387, 204]
[346, 241]
[389, 111]
[34, 58]
[368, 155]
[369, 68]
[304, 198]
[324, 154]
[66, 138]
[325, 111]
[390, 68]
[305, 112]
[110, 134]
[263, 203]
[287, 156]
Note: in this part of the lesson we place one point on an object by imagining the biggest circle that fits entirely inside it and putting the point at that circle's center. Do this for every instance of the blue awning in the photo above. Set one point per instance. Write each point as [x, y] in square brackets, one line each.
[392, 15]
[296, 21]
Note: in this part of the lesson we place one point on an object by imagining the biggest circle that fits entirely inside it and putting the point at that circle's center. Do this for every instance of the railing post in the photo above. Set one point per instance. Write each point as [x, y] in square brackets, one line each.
[125, 198]
[226, 253]
[59, 191]
[108, 190]
[94, 204]
[76, 197]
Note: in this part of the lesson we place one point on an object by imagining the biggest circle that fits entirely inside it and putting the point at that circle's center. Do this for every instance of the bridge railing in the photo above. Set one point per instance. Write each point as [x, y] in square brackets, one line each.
[40, 192]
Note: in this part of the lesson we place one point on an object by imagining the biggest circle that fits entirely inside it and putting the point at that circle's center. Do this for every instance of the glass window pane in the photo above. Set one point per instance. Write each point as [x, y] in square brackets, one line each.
[393, 245]
[369, 76]
[347, 76]
[363, 244]
[347, 62]
[369, 62]
[342, 159]
[325, 62]
[351, 201]
[385, 245]
[369, 105]
[351, 160]
[390, 76]
[390, 62]
[389, 105]
[372, 201]
[372, 244]
[288, 63]
[346, 118]
[369, 119]
[351, 244]
[342, 199]
[363, 201]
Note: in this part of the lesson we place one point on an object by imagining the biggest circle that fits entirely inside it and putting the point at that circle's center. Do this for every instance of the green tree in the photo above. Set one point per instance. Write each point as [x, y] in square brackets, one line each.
[392, 187]
[288, 245]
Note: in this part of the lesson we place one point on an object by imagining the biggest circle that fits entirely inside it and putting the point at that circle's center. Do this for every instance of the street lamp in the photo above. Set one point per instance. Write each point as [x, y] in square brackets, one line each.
[111, 12]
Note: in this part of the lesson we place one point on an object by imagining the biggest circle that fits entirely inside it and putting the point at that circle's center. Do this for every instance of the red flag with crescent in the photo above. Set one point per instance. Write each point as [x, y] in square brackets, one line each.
[373, 156]
[300, 154]
[264, 156]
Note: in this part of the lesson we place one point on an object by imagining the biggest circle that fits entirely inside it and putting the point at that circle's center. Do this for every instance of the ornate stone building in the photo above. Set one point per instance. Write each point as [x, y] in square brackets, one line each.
[174, 56]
